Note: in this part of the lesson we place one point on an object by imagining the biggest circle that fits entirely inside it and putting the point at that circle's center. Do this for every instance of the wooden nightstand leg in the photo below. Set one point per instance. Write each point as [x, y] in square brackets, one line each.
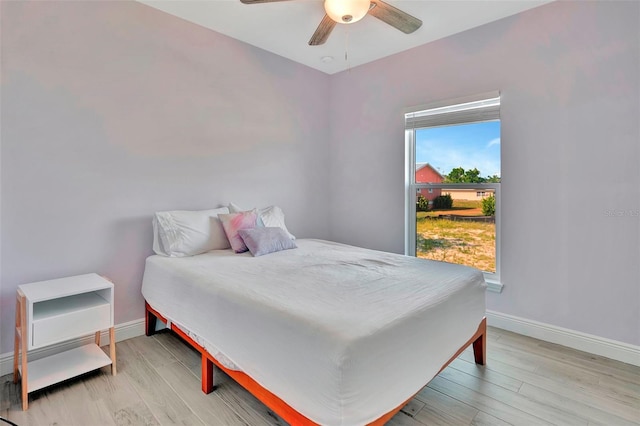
[23, 344]
[112, 349]
[16, 343]
[98, 338]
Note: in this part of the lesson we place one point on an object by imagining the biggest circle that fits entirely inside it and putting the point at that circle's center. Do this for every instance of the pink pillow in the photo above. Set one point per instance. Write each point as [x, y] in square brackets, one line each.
[234, 222]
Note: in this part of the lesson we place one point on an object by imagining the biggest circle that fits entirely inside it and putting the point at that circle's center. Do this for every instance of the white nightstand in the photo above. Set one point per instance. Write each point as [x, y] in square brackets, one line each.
[49, 312]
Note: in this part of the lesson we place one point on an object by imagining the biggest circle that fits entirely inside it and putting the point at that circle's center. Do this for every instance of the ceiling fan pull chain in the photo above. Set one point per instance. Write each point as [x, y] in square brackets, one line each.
[346, 45]
[346, 49]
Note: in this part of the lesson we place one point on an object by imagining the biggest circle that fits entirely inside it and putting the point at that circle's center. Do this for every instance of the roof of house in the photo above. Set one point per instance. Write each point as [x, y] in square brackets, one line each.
[420, 166]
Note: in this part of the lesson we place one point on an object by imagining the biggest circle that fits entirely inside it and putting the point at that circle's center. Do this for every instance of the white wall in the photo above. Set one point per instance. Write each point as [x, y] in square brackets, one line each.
[114, 110]
[569, 75]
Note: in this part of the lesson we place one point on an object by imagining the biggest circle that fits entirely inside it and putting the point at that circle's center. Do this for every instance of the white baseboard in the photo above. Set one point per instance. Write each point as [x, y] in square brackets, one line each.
[123, 331]
[596, 345]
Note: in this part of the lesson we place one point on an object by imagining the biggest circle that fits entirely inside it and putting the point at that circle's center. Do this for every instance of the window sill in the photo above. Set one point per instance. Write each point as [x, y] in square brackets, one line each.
[494, 286]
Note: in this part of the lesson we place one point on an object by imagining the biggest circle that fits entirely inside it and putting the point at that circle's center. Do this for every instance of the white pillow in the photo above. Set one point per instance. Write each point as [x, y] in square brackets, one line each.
[234, 208]
[271, 216]
[181, 233]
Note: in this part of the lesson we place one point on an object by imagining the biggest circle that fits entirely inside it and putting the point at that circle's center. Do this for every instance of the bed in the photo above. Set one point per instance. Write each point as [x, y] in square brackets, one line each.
[326, 333]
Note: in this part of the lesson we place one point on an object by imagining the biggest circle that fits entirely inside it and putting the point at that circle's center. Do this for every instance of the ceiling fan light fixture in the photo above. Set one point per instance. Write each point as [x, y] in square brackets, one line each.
[346, 11]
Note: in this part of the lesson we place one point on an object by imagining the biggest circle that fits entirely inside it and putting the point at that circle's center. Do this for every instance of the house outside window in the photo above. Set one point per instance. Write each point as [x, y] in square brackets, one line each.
[426, 173]
[453, 182]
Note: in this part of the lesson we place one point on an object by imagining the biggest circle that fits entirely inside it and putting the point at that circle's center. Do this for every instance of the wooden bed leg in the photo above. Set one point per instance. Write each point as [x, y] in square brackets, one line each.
[149, 321]
[480, 345]
[207, 375]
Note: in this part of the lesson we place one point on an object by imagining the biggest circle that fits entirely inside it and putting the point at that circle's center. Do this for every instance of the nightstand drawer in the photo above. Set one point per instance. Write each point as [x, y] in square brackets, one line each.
[68, 317]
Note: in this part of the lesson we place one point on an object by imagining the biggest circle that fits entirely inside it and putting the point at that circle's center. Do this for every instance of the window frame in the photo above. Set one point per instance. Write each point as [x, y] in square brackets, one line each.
[411, 187]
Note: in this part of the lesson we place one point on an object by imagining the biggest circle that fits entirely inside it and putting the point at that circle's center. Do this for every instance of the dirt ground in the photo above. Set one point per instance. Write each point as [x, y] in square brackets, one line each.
[467, 243]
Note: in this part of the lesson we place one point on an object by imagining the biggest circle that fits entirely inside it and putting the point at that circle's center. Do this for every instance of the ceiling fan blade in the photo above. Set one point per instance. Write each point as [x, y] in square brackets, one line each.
[323, 31]
[260, 1]
[394, 16]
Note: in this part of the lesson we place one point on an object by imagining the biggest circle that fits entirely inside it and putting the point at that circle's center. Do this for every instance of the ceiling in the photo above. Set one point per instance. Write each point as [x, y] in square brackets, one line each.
[284, 28]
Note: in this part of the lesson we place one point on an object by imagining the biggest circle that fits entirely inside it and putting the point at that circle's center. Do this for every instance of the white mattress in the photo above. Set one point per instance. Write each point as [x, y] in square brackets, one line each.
[341, 334]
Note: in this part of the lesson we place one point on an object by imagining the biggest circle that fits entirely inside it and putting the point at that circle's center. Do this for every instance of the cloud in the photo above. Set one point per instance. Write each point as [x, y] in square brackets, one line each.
[493, 142]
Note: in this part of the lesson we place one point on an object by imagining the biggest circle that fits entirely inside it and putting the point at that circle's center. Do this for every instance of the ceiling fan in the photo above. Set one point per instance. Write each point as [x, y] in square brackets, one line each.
[350, 11]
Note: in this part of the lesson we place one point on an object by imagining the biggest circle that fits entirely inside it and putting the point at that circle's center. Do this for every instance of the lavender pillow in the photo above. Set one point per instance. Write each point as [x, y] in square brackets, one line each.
[266, 240]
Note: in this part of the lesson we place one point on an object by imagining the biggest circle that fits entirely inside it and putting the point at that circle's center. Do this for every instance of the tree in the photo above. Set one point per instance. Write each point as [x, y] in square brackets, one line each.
[489, 205]
[473, 176]
[455, 176]
[460, 175]
[422, 204]
[443, 202]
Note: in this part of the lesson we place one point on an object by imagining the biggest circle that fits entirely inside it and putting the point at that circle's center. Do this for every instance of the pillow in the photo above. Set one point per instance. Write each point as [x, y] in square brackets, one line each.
[271, 216]
[233, 222]
[234, 208]
[181, 233]
[261, 241]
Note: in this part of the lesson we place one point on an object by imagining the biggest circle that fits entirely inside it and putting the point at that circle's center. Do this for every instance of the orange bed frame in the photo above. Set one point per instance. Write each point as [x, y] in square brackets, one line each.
[291, 416]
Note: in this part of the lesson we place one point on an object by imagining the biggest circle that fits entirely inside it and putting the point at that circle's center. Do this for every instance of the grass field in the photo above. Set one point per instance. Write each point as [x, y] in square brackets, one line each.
[465, 242]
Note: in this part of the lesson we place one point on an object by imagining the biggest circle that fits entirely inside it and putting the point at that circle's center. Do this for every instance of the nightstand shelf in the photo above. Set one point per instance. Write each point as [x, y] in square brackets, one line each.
[56, 368]
[54, 311]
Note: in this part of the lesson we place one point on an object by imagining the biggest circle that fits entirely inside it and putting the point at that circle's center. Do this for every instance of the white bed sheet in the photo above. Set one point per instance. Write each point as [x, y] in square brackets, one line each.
[340, 333]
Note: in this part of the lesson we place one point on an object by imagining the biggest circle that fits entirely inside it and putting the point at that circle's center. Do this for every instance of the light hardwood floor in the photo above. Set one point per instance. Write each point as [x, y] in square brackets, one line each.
[525, 382]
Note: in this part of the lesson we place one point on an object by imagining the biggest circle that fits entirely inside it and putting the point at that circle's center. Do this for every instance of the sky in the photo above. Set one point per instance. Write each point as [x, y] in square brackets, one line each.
[475, 145]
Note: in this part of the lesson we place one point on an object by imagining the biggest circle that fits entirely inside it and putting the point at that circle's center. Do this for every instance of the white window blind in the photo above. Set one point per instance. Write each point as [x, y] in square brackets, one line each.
[485, 107]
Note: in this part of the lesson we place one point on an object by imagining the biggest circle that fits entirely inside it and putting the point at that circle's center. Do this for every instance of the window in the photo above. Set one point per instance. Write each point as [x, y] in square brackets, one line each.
[453, 175]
